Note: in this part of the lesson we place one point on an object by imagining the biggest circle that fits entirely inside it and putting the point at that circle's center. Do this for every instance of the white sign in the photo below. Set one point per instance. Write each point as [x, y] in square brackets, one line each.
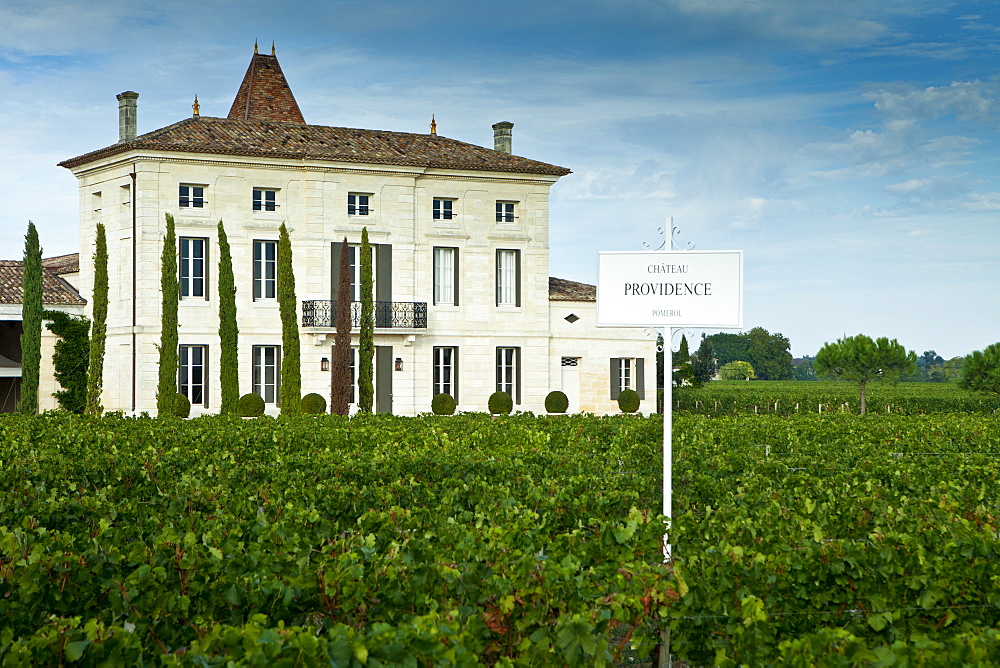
[670, 289]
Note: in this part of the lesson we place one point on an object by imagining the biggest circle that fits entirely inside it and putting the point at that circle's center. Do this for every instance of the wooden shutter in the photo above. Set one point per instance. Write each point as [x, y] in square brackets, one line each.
[383, 269]
[454, 279]
[517, 278]
[335, 269]
[517, 375]
[616, 378]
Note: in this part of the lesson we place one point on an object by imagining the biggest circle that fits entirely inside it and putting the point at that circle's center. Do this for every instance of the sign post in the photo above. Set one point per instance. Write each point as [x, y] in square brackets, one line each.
[698, 289]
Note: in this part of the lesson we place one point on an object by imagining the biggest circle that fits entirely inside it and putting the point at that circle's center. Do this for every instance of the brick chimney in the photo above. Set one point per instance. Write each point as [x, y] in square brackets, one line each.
[501, 136]
[127, 116]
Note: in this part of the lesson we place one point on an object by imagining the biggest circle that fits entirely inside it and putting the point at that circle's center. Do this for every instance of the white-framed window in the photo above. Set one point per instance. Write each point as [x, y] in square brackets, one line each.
[444, 209]
[446, 276]
[266, 377]
[446, 371]
[265, 199]
[505, 212]
[191, 377]
[355, 270]
[509, 372]
[191, 196]
[508, 277]
[625, 378]
[193, 265]
[265, 269]
[358, 204]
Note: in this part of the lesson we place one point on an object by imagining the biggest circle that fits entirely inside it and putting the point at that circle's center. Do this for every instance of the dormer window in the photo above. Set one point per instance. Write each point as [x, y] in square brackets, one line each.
[265, 200]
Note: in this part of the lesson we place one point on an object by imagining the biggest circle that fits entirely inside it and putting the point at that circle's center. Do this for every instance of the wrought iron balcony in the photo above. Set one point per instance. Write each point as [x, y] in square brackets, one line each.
[389, 315]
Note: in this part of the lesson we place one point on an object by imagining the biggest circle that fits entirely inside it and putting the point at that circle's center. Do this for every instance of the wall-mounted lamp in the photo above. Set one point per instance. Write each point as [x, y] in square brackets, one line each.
[399, 364]
[324, 364]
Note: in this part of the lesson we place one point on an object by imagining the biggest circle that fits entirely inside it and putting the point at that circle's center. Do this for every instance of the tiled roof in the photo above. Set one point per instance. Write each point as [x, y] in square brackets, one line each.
[55, 290]
[562, 290]
[62, 264]
[264, 94]
[275, 139]
[265, 122]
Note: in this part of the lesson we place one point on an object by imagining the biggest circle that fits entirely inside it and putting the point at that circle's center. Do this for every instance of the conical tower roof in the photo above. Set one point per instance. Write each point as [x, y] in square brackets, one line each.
[264, 94]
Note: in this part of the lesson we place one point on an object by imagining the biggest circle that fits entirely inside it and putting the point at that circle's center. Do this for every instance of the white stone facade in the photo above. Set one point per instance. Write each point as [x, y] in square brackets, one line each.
[131, 190]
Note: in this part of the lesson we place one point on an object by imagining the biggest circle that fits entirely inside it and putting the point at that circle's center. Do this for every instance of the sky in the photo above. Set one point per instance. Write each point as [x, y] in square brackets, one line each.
[849, 148]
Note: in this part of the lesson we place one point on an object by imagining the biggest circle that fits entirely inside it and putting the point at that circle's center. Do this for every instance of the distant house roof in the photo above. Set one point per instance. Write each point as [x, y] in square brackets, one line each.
[63, 264]
[562, 290]
[55, 290]
[265, 122]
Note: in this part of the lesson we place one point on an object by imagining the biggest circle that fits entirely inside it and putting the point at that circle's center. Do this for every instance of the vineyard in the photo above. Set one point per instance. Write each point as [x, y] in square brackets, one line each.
[825, 539]
[821, 397]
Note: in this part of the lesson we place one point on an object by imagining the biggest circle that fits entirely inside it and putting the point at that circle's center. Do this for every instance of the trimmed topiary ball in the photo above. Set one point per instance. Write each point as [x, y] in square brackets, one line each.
[181, 406]
[629, 401]
[556, 402]
[443, 404]
[313, 404]
[500, 403]
[251, 405]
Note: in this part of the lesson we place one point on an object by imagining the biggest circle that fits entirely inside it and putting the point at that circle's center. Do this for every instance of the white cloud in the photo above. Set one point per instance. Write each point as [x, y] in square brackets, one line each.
[965, 100]
[908, 186]
[983, 202]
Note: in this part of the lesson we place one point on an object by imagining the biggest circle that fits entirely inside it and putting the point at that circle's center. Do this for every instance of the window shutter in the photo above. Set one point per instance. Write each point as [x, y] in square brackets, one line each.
[454, 373]
[517, 278]
[204, 373]
[640, 380]
[517, 375]
[454, 280]
[335, 273]
[383, 268]
[616, 378]
[204, 282]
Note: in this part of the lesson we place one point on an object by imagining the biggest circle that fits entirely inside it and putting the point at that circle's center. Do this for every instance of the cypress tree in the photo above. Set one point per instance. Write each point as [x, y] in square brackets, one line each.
[340, 390]
[70, 358]
[229, 331]
[682, 360]
[366, 333]
[683, 355]
[31, 322]
[166, 387]
[99, 326]
[291, 371]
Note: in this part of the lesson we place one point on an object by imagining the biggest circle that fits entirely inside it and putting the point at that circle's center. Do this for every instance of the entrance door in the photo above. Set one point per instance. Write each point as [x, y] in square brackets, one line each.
[571, 382]
[383, 379]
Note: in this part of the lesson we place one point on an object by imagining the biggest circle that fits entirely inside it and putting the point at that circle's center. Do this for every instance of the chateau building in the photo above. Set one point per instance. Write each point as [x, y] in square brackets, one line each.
[460, 249]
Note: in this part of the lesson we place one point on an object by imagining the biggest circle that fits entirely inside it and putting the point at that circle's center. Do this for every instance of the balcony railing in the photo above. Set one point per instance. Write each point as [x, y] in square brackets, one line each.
[391, 315]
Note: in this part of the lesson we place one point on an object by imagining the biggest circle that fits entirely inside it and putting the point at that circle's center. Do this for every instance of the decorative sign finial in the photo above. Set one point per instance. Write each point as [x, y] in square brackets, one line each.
[434, 126]
[255, 47]
[196, 108]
